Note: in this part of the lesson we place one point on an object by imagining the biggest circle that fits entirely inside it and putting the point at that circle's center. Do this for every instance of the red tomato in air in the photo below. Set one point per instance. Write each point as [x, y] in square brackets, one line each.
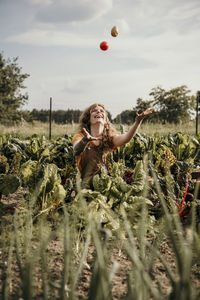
[104, 46]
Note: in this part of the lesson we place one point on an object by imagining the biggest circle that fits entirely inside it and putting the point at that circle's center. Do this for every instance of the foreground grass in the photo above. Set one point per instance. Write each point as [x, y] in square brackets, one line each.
[69, 255]
[27, 129]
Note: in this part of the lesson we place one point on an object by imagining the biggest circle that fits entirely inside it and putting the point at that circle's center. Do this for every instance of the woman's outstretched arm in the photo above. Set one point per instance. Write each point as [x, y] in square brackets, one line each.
[122, 139]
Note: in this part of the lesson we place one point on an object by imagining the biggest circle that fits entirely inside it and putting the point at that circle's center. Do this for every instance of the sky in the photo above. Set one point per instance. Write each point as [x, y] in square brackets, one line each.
[57, 44]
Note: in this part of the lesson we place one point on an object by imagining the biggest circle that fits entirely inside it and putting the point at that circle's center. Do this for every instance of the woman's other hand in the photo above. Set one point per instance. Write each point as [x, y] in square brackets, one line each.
[90, 137]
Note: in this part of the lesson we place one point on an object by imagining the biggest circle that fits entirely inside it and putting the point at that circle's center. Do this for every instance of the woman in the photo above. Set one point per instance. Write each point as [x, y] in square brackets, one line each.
[96, 138]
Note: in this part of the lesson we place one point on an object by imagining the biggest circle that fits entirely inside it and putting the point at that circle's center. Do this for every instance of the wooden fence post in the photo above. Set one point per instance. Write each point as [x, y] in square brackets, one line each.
[50, 117]
[197, 111]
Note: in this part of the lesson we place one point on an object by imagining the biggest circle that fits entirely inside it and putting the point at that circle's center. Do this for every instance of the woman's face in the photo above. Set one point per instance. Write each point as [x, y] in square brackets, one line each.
[97, 115]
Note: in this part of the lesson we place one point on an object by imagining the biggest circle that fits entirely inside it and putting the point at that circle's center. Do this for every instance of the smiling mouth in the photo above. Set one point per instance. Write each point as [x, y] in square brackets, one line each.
[99, 117]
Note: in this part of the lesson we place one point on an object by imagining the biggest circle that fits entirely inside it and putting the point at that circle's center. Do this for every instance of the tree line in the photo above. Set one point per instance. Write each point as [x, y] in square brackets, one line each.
[171, 106]
[57, 116]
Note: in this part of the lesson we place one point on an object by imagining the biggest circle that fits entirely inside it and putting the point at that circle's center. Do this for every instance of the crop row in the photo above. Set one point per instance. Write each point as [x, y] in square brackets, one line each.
[47, 170]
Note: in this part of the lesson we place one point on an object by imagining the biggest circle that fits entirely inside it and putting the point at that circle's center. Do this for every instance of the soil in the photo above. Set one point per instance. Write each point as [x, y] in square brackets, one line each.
[55, 265]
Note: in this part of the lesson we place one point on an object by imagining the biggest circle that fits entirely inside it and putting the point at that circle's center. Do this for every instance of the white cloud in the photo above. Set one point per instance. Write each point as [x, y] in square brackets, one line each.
[40, 2]
[149, 18]
[73, 11]
[58, 45]
[41, 37]
[123, 25]
[75, 85]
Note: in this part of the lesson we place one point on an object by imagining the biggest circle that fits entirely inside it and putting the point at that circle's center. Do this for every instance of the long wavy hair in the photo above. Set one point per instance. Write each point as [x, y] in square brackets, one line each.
[108, 133]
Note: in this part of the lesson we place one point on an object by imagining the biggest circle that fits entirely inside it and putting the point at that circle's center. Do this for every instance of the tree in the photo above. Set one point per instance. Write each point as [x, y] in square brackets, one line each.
[142, 105]
[173, 106]
[128, 116]
[125, 117]
[11, 83]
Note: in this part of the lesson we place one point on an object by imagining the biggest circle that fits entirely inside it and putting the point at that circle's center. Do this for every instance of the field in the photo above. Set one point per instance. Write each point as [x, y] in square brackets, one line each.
[27, 129]
[135, 236]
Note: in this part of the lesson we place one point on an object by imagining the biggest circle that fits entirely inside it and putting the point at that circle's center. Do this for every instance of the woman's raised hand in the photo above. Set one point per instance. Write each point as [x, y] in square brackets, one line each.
[144, 114]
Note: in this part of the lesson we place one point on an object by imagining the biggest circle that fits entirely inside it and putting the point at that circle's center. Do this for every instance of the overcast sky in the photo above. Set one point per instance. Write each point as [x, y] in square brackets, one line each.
[57, 42]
